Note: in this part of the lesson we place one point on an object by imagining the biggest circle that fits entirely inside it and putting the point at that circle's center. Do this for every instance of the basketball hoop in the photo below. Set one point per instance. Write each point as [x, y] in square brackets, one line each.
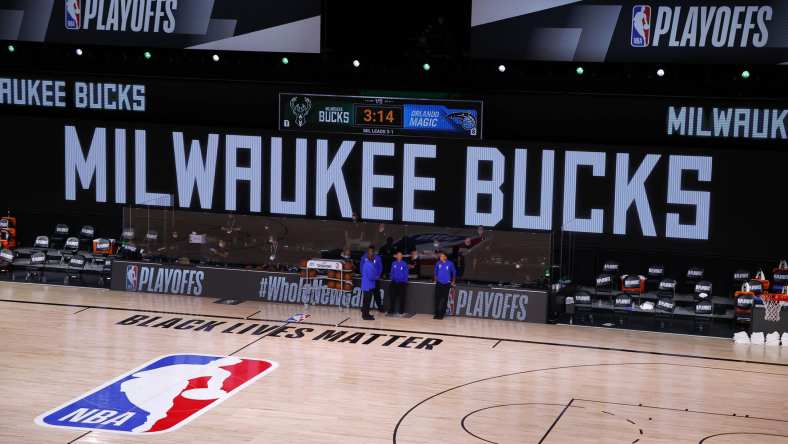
[772, 305]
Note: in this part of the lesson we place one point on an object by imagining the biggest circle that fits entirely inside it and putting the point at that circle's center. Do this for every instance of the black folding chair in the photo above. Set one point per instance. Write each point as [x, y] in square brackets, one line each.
[664, 309]
[604, 285]
[702, 291]
[703, 308]
[693, 276]
[59, 236]
[622, 308]
[6, 263]
[583, 307]
[86, 235]
[656, 273]
[36, 268]
[75, 268]
[70, 248]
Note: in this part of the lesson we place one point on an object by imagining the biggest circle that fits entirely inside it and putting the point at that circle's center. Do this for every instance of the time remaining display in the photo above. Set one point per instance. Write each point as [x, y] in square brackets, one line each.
[376, 115]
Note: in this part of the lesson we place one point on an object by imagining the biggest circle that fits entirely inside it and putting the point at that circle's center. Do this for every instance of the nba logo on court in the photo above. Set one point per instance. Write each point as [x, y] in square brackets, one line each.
[161, 396]
[641, 26]
[73, 14]
[132, 277]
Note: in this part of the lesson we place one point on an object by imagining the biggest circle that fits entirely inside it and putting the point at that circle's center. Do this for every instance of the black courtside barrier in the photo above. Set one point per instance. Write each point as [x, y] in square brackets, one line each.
[477, 301]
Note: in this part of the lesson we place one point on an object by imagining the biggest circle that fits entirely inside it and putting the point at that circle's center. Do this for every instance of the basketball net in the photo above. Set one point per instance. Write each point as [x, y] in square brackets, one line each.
[772, 305]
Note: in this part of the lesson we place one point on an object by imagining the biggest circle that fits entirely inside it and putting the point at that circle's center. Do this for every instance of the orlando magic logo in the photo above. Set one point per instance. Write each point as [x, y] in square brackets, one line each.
[300, 109]
[465, 120]
[73, 14]
[641, 26]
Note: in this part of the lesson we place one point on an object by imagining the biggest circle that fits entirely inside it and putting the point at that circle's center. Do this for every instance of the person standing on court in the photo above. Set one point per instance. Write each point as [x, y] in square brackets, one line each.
[369, 280]
[378, 264]
[399, 284]
[445, 277]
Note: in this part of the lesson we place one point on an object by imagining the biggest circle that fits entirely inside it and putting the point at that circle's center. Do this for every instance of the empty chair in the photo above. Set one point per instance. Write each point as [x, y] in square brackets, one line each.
[36, 267]
[693, 276]
[8, 232]
[664, 309]
[583, 307]
[604, 285]
[86, 235]
[6, 262]
[622, 306]
[702, 288]
[779, 279]
[60, 235]
[741, 276]
[655, 274]
[633, 283]
[744, 300]
[667, 288]
[105, 277]
[87, 232]
[703, 308]
[74, 271]
[71, 245]
[129, 251]
[41, 242]
[127, 234]
[70, 248]
[101, 249]
[611, 267]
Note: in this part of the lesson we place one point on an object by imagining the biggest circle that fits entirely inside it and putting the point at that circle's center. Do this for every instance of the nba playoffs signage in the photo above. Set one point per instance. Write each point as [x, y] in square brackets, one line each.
[160, 396]
[471, 301]
[633, 31]
[236, 25]
[523, 186]
[162, 279]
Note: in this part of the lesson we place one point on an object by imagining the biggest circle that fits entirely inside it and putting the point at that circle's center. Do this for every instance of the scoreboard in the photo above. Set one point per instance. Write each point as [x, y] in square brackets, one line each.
[380, 116]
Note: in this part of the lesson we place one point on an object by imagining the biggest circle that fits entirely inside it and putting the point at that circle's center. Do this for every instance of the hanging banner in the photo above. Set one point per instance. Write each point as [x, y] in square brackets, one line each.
[670, 31]
[231, 25]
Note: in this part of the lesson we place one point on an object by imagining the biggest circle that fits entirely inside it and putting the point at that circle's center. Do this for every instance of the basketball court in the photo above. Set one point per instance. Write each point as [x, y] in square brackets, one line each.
[401, 380]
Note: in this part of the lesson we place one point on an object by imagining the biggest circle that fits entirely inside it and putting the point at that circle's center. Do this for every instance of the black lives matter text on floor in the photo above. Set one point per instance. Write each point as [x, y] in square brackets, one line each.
[287, 331]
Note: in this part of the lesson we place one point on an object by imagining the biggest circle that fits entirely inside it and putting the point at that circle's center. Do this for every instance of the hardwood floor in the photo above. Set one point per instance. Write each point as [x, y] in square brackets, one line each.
[401, 380]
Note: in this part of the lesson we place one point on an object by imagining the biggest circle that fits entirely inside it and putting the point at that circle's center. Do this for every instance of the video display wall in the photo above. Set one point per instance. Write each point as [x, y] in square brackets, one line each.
[657, 197]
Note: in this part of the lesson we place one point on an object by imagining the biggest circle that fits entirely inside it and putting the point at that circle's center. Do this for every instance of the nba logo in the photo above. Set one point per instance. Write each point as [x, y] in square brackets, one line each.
[73, 14]
[641, 26]
[160, 396]
[132, 277]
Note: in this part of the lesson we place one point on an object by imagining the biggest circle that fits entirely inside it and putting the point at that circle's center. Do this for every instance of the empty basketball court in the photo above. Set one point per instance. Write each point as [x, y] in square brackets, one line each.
[410, 222]
[479, 381]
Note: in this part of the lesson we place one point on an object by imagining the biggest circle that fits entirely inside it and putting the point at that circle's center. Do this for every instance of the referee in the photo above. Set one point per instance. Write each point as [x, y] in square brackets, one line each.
[445, 277]
[369, 281]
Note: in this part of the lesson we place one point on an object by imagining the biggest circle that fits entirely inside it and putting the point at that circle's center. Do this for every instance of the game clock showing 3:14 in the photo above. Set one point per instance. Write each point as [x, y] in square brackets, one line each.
[376, 115]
